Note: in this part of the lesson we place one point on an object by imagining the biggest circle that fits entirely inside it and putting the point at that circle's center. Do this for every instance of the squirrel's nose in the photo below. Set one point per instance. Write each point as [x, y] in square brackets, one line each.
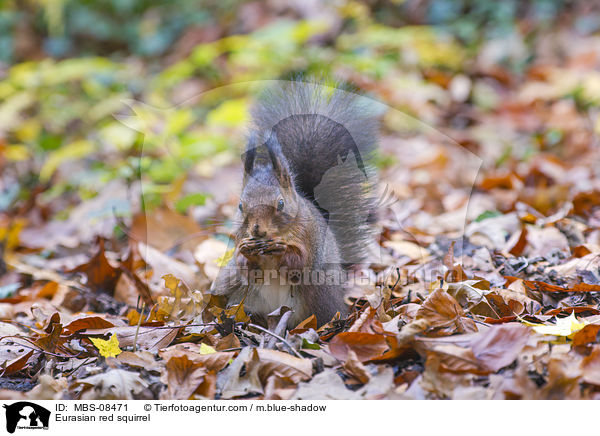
[257, 233]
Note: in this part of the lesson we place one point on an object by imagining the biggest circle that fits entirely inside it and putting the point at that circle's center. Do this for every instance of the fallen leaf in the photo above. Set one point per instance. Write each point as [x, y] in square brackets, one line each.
[114, 384]
[355, 368]
[86, 322]
[108, 348]
[101, 275]
[500, 345]
[182, 377]
[444, 315]
[366, 346]
[565, 327]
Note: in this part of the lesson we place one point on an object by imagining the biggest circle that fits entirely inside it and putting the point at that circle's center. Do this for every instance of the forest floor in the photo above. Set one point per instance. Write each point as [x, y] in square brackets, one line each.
[486, 283]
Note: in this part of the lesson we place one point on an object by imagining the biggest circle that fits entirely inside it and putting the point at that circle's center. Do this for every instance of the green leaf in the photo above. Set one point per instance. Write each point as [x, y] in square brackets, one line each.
[310, 345]
[74, 150]
[230, 113]
[197, 199]
[487, 214]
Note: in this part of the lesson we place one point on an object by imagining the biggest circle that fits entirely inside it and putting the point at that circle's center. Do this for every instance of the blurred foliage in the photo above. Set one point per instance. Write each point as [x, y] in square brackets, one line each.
[97, 90]
[103, 27]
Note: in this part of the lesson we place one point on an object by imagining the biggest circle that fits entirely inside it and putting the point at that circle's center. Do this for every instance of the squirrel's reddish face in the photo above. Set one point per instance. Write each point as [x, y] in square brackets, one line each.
[265, 222]
[269, 202]
[266, 216]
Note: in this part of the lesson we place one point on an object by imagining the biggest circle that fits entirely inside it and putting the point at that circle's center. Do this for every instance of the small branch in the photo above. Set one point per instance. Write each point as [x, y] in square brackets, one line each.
[264, 330]
[137, 330]
[279, 329]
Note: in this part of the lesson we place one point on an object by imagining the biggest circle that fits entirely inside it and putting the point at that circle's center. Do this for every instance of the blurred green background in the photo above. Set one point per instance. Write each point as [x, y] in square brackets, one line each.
[91, 91]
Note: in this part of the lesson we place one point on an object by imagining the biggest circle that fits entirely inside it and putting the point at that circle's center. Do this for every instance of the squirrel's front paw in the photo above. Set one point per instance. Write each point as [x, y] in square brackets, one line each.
[274, 247]
[252, 247]
[248, 246]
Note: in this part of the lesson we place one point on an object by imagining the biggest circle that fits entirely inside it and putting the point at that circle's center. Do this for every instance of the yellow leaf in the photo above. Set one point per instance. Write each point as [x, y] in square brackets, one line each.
[224, 260]
[108, 348]
[17, 152]
[171, 282]
[28, 130]
[11, 235]
[74, 150]
[566, 327]
[230, 113]
[206, 349]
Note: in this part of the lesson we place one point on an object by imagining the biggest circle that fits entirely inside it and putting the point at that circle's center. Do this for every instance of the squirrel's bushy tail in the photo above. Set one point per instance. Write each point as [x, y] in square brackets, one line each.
[328, 137]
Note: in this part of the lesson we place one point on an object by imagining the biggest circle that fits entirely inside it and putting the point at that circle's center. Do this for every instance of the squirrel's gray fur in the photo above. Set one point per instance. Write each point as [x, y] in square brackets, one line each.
[309, 187]
[319, 127]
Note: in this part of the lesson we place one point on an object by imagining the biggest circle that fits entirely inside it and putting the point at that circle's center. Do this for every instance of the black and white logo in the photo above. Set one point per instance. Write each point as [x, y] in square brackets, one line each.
[26, 415]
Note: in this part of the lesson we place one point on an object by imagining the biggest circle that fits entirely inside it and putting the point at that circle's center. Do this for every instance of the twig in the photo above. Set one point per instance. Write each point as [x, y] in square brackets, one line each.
[231, 349]
[264, 330]
[279, 329]
[137, 330]
[85, 361]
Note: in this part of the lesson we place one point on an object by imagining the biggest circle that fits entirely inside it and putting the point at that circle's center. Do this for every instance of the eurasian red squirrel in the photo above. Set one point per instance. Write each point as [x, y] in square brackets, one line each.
[307, 202]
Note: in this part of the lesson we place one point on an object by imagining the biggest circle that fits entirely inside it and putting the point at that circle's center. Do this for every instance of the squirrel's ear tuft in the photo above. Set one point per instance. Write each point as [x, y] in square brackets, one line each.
[250, 154]
[280, 166]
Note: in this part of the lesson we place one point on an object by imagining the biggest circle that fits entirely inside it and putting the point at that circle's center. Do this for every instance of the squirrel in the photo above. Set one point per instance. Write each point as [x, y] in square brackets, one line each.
[307, 204]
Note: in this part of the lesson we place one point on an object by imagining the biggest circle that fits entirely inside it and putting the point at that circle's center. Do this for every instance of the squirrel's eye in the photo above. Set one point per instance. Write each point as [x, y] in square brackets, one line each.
[280, 205]
[240, 207]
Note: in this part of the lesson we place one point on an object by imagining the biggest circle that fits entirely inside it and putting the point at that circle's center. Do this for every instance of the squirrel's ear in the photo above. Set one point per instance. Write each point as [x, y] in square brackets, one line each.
[280, 166]
[249, 155]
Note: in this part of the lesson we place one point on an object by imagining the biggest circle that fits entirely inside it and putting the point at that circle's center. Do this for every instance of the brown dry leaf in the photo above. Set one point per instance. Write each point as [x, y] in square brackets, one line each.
[88, 220]
[101, 275]
[48, 290]
[13, 348]
[165, 229]
[304, 326]
[355, 368]
[182, 377]
[284, 364]
[16, 364]
[581, 251]
[500, 345]
[228, 342]
[86, 322]
[261, 365]
[533, 285]
[212, 361]
[564, 375]
[208, 388]
[236, 380]
[162, 265]
[51, 341]
[453, 358]
[517, 299]
[587, 335]
[326, 385]
[139, 359]
[148, 338]
[520, 244]
[279, 388]
[590, 367]
[585, 202]
[585, 287]
[49, 388]
[130, 287]
[114, 384]
[444, 315]
[542, 241]
[437, 381]
[367, 346]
